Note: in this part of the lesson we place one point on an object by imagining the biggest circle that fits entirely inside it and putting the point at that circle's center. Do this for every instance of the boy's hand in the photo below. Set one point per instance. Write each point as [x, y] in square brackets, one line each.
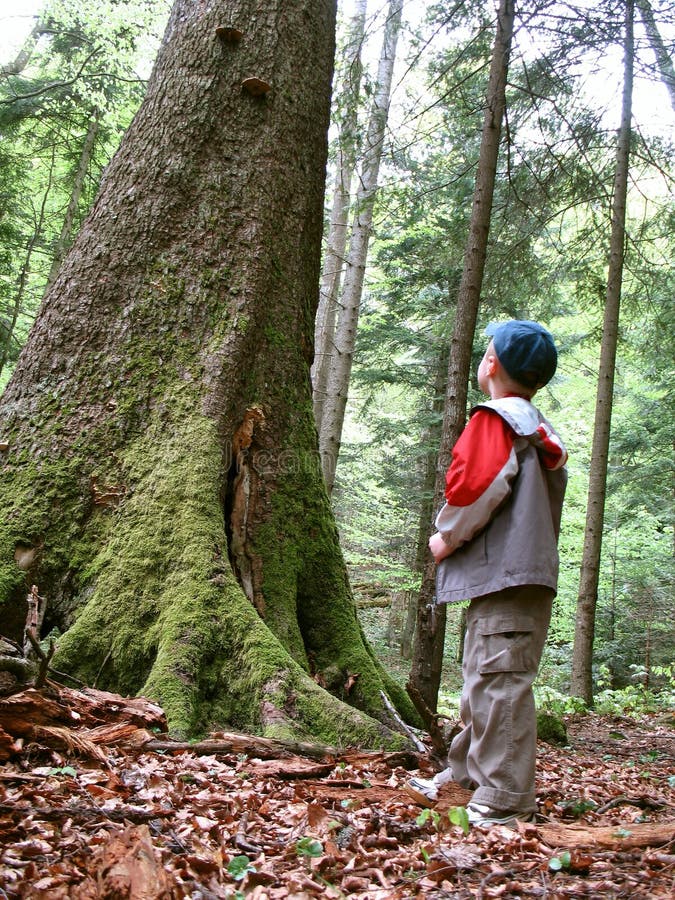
[439, 549]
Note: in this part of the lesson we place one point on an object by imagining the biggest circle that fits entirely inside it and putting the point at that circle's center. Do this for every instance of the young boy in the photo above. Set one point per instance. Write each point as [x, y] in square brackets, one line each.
[496, 545]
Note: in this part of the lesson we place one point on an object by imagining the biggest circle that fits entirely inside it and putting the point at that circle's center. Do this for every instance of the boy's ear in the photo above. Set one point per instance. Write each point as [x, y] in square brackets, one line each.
[492, 364]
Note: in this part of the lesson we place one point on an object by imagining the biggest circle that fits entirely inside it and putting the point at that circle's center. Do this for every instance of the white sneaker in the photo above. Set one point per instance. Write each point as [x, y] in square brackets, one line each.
[481, 816]
[422, 790]
[425, 791]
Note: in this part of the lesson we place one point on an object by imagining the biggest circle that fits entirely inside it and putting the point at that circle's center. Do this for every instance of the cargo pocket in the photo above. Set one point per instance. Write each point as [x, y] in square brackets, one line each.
[506, 644]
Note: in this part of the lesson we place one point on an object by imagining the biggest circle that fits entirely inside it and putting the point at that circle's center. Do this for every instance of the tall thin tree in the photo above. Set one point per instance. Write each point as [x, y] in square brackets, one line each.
[430, 632]
[336, 243]
[582, 661]
[337, 385]
[79, 177]
[664, 61]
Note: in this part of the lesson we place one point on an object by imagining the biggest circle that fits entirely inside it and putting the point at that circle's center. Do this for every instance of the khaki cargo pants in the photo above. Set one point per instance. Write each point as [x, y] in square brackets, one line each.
[495, 752]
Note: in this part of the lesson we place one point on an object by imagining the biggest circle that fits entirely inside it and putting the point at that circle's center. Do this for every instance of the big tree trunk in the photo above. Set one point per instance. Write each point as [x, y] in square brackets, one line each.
[162, 485]
[425, 675]
[584, 634]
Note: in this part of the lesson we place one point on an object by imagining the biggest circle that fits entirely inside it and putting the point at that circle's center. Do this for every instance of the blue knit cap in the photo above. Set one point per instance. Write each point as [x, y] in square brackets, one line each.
[526, 350]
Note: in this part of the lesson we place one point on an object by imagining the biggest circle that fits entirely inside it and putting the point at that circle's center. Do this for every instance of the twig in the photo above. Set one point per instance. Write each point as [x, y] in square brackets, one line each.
[404, 727]
[430, 719]
[102, 667]
[45, 658]
[500, 873]
[77, 681]
[240, 840]
[641, 802]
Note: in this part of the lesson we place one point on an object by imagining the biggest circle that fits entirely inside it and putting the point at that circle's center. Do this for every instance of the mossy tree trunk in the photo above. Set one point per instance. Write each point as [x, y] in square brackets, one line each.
[162, 484]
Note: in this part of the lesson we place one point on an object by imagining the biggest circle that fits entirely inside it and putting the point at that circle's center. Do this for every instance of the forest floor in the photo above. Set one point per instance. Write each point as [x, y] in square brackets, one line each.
[100, 820]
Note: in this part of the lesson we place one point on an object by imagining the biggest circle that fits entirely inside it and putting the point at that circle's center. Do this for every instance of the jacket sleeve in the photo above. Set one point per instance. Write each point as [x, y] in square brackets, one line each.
[484, 464]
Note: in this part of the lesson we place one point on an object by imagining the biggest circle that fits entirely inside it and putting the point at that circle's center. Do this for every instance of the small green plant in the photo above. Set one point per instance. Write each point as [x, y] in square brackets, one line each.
[239, 867]
[556, 863]
[650, 756]
[577, 808]
[427, 814]
[552, 701]
[309, 847]
[63, 770]
[460, 817]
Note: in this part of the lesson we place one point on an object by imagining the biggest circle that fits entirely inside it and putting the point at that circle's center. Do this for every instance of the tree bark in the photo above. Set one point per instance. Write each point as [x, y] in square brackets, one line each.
[664, 62]
[337, 385]
[427, 664]
[334, 259]
[582, 661]
[163, 466]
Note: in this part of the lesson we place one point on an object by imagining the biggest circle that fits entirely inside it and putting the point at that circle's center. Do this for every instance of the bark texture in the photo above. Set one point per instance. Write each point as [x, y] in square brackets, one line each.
[162, 484]
[582, 660]
[430, 633]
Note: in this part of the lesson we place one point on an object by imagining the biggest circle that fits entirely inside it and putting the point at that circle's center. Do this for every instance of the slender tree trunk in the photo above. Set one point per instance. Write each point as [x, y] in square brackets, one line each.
[582, 661]
[66, 235]
[408, 629]
[22, 58]
[337, 386]
[427, 664]
[663, 59]
[24, 274]
[160, 472]
[334, 258]
[432, 439]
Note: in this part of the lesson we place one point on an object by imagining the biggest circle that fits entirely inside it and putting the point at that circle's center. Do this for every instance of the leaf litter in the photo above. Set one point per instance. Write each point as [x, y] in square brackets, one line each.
[79, 820]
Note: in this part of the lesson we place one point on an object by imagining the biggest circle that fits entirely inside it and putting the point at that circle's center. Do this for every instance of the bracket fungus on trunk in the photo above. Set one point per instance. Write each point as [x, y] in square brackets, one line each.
[228, 34]
[256, 87]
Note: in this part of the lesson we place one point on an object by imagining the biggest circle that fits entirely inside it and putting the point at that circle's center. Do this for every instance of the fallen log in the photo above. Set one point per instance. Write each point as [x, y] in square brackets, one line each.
[613, 837]
[252, 745]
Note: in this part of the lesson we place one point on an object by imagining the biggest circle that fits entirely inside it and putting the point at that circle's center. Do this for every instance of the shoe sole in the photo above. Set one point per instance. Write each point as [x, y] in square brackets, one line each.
[419, 797]
[511, 822]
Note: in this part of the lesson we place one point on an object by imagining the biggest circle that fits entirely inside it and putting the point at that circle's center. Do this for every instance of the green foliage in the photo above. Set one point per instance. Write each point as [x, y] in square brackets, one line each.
[551, 728]
[63, 770]
[79, 80]
[428, 815]
[578, 807]
[239, 867]
[309, 847]
[459, 816]
[563, 861]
